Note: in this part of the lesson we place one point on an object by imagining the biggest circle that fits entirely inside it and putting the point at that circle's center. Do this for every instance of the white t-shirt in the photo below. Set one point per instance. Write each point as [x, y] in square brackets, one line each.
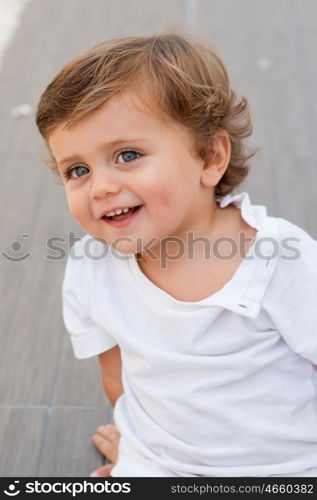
[224, 386]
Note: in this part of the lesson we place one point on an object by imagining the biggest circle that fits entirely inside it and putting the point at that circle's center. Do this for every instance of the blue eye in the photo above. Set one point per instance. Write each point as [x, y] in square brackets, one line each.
[128, 156]
[77, 171]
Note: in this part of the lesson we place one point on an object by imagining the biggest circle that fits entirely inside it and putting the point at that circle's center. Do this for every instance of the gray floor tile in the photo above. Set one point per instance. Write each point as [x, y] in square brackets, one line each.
[67, 448]
[21, 432]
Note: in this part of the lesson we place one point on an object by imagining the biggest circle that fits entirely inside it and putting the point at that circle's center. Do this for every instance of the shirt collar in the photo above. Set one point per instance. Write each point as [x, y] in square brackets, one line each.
[248, 288]
[243, 293]
[254, 215]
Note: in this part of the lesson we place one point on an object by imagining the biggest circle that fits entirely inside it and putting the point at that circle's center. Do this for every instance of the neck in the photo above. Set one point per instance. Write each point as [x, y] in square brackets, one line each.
[189, 245]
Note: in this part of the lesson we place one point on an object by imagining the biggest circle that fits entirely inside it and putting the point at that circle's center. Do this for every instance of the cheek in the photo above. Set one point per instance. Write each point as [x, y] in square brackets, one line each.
[77, 206]
[165, 199]
[160, 190]
[173, 197]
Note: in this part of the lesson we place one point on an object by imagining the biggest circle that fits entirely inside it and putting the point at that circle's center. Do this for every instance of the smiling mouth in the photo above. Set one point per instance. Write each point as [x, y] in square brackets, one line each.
[122, 216]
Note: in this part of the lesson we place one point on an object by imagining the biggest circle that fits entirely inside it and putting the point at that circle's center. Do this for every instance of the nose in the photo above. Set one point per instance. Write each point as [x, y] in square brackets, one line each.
[103, 183]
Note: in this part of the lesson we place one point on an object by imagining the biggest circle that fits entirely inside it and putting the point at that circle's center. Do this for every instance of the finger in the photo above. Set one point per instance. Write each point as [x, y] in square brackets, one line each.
[103, 471]
[105, 447]
[109, 432]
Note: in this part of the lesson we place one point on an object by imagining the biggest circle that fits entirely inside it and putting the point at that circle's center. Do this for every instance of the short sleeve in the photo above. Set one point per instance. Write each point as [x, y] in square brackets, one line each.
[291, 298]
[88, 339]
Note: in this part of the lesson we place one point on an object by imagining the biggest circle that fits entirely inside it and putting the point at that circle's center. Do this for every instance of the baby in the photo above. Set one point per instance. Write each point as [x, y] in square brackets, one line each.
[200, 306]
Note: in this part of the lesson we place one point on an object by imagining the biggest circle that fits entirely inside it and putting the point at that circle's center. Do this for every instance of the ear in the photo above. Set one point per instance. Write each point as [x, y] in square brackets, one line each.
[218, 159]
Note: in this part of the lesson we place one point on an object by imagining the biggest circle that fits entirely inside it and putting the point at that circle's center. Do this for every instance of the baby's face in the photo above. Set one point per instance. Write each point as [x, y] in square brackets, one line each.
[119, 157]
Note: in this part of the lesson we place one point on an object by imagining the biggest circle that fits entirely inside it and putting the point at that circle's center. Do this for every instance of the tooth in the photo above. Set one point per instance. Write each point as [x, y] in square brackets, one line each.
[118, 211]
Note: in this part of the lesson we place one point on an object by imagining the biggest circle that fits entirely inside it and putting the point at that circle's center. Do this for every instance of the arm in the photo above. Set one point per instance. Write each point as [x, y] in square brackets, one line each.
[110, 367]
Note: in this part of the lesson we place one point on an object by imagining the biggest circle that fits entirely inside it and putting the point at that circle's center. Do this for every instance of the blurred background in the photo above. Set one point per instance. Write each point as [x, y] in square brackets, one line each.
[51, 403]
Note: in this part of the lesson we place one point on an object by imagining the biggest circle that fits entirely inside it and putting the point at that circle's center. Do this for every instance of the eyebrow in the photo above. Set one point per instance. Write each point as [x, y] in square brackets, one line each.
[72, 158]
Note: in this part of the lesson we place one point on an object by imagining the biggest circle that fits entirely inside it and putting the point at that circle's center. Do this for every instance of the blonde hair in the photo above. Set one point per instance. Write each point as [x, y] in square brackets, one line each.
[179, 77]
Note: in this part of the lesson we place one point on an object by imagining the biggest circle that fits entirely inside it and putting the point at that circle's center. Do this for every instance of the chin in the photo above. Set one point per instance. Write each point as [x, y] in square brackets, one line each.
[126, 248]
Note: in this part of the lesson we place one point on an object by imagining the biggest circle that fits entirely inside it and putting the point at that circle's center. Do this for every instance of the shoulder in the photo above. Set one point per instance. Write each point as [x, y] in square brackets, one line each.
[88, 248]
[83, 261]
[288, 228]
[91, 261]
[289, 302]
[293, 276]
[91, 253]
[297, 248]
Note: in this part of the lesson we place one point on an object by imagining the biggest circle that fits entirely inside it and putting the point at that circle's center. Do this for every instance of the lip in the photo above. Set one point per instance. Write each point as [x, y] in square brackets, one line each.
[124, 222]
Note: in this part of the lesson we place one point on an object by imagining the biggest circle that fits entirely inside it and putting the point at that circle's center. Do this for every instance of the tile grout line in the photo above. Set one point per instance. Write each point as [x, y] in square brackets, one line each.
[191, 12]
[11, 19]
